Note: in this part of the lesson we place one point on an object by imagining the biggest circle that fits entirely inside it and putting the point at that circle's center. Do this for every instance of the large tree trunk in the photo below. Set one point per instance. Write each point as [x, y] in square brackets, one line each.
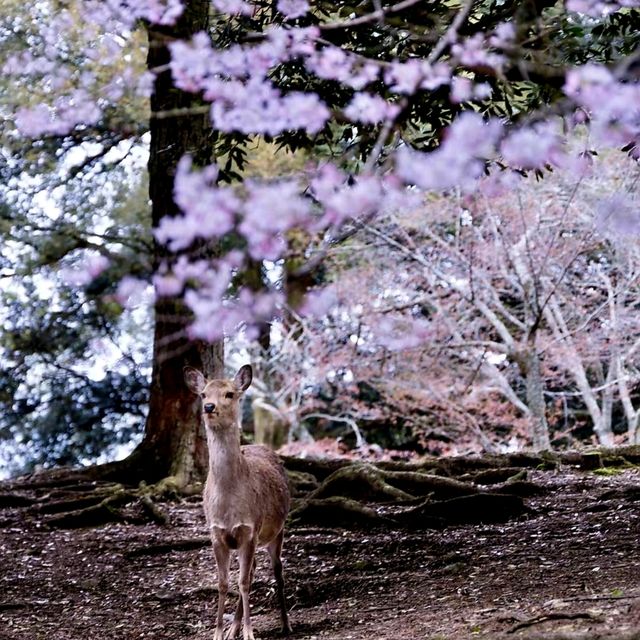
[174, 443]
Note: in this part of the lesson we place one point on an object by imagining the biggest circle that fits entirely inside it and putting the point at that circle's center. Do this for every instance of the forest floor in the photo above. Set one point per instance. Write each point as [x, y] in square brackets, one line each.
[568, 568]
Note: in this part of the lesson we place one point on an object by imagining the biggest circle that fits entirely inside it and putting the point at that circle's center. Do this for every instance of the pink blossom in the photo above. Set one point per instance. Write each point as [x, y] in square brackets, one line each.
[531, 148]
[67, 112]
[191, 61]
[216, 318]
[473, 53]
[35, 121]
[351, 201]
[293, 8]
[326, 181]
[86, 271]
[131, 291]
[128, 11]
[407, 76]
[270, 210]
[167, 285]
[458, 161]
[318, 303]
[469, 134]
[95, 265]
[461, 89]
[612, 106]
[370, 109]
[404, 77]
[434, 76]
[499, 182]
[209, 211]
[234, 7]
[503, 35]
[334, 63]
[258, 107]
[330, 63]
[598, 8]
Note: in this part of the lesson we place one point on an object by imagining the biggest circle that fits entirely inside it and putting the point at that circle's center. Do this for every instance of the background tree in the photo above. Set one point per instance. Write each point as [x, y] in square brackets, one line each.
[372, 93]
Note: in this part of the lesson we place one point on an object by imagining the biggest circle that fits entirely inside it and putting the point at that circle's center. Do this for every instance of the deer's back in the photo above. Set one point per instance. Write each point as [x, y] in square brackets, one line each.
[270, 486]
[268, 478]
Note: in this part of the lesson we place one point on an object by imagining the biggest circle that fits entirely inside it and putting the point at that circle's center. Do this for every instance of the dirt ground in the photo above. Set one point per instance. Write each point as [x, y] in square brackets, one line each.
[568, 569]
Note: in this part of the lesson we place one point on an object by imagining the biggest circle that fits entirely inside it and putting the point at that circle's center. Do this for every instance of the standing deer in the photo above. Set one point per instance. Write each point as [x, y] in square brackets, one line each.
[245, 499]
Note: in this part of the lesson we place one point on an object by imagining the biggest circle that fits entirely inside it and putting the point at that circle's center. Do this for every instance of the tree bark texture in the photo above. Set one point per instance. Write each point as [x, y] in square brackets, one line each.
[535, 400]
[174, 443]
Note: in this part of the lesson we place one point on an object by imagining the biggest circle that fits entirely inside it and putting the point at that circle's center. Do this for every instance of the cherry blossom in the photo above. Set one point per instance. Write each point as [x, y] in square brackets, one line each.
[240, 83]
[408, 76]
[599, 8]
[458, 161]
[269, 211]
[91, 266]
[293, 8]
[370, 109]
[532, 147]
[131, 291]
[209, 210]
[612, 106]
[473, 53]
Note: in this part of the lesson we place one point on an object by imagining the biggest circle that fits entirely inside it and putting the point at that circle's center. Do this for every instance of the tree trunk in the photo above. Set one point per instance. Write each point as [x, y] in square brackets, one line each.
[573, 364]
[174, 443]
[529, 363]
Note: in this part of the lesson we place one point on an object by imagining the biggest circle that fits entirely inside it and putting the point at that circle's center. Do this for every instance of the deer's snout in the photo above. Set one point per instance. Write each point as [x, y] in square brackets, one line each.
[209, 407]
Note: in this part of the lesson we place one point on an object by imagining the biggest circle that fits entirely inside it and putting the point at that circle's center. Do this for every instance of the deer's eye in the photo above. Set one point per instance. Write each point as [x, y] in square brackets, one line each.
[229, 395]
[203, 395]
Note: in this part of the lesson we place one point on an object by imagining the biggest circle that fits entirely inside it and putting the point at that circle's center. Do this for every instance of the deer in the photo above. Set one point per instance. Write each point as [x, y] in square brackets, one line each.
[246, 497]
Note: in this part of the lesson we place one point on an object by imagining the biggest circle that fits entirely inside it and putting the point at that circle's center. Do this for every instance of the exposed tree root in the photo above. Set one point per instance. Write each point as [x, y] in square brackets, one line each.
[301, 483]
[434, 492]
[15, 500]
[472, 509]
[559, 615]
[494, 476]
[367, 482]
[360, 482]
[102, 505]
[337, 511]
[152, 510]
[103, 512]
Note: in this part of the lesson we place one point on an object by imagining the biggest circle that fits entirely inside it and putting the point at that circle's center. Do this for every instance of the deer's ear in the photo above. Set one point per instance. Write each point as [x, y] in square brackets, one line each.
[194, 379]
[243, 377]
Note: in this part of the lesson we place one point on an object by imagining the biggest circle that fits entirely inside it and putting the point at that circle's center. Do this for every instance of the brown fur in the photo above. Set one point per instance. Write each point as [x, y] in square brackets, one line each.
[246, 496]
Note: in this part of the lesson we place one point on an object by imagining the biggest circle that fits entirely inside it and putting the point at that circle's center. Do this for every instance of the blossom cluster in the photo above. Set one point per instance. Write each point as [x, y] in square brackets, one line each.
[599, 8]
[612, 106]
[237, 82]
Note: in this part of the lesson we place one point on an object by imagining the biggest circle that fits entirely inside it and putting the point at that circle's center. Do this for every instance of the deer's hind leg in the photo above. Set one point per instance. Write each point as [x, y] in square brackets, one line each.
[275, 553]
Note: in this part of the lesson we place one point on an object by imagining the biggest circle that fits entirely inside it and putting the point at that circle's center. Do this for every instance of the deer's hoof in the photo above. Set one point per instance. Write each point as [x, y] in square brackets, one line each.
[247, 634]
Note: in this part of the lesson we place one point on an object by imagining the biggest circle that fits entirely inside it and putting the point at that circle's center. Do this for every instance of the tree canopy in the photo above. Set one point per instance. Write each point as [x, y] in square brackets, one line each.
[387, 103]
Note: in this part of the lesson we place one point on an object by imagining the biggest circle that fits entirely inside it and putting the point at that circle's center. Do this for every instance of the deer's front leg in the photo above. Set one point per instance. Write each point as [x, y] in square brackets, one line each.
[246, 554]
[222, 554]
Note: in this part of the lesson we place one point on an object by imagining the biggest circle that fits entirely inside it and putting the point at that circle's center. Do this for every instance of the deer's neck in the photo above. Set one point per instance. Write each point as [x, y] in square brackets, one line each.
[225, 455]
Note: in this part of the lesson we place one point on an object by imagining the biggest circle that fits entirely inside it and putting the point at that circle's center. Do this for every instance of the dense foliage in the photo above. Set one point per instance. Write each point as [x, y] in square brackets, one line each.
[390, 102]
